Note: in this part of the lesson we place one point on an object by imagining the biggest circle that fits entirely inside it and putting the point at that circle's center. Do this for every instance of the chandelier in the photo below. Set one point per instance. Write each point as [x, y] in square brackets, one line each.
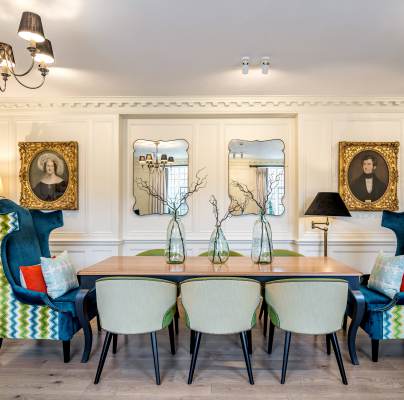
[39, 47]
[153, 162]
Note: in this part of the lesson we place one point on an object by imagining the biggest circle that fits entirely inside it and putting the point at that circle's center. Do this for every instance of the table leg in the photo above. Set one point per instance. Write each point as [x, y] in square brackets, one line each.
[357, 303]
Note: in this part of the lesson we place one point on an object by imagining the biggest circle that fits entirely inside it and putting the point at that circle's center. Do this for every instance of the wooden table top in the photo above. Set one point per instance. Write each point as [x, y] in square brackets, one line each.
[235, 266]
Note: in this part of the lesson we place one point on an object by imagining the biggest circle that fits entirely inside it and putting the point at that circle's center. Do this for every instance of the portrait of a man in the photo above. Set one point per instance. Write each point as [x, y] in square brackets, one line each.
[368, 176]
[48, 176]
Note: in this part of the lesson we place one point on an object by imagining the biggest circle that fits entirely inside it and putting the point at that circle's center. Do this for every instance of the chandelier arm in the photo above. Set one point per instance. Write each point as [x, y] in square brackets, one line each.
[2, 90]
[11, 68]
[30, 87]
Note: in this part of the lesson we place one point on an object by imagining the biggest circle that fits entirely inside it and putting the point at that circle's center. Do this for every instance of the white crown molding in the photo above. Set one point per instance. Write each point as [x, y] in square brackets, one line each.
[201, 105]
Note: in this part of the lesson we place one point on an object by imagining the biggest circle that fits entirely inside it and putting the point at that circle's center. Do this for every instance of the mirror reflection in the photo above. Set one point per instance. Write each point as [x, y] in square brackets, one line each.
[260, 165]
[164, 165]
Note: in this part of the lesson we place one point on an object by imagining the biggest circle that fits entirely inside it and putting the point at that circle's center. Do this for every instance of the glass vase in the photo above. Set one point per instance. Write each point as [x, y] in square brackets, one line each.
[261, 249]
[218, 251]
[175, 243]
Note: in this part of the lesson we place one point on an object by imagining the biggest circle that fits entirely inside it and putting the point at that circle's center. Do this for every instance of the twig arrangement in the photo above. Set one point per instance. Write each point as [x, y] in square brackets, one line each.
[234, 207]
[174, 204]
[249, 195]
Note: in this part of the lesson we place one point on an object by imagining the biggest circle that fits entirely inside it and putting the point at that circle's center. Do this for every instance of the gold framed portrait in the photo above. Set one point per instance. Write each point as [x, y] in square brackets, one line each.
[368, 175]
[49, 175]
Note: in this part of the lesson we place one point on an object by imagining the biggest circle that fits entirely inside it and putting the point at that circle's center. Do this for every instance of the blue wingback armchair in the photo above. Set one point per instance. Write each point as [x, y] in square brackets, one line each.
[382, 317]
[26, 314]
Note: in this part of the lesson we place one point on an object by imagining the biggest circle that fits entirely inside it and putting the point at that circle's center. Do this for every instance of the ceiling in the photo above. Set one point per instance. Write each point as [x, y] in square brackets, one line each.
[189, 47]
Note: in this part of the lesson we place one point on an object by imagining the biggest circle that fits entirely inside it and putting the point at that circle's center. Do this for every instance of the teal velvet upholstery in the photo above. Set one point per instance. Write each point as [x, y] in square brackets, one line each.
[25, 246]
[395, 222]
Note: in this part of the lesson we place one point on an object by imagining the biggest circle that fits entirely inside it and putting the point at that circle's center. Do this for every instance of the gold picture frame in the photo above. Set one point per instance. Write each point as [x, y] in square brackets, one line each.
[368, 175]
[49, 175]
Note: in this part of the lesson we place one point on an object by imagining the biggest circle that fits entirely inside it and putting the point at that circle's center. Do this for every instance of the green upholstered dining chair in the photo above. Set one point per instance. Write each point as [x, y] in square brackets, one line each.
[152, 252]
[275, 253]
[307, 306]
[158, 253]
[232, 254]
[133, 305]
[220, 306]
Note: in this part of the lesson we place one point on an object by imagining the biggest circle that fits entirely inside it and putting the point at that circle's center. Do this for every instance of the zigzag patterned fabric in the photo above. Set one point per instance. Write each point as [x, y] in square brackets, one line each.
[18, 320]
[393, 323]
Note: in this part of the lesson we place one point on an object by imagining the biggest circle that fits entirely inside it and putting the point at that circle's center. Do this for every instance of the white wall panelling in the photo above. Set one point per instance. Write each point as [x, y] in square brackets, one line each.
[106, 128]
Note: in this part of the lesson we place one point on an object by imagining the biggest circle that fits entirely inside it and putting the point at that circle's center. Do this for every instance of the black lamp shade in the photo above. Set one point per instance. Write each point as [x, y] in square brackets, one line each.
[328, 204]
[44, 52]
[31, 27]
[171, 159]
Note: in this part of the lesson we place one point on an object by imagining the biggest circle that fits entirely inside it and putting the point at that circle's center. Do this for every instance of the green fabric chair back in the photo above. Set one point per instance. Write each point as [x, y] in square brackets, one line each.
[152, 252]
[232, 254]
[285, 253]
[312, 306]
[220, 305]
[129, 305]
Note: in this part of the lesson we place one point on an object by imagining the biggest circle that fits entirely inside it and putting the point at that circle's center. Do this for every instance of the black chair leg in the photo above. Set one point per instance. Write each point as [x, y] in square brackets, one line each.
[171, 334]
[271, 336]
[192, 342]
[264, 332]
[262, 309]
[249, 341]
[98, 323]
[176, 318]
[155, 356]
[195, 351]
[338, 356]
[66, 351]
[288, 336]
[328, 341]
[244, 345]
[375, 350]
[1, 342]
[105, 348]
[114, 342]
[345, 322]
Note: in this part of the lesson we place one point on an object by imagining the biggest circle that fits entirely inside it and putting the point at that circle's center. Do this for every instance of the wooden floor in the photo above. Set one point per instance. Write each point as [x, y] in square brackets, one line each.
[34, 370]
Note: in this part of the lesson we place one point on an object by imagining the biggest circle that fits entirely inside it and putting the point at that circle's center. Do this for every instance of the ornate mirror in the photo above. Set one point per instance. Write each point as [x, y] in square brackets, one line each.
[164, 166]
[260, 166]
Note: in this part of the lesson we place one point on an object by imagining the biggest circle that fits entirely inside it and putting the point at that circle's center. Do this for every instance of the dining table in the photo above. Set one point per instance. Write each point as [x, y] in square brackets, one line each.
[197, 267]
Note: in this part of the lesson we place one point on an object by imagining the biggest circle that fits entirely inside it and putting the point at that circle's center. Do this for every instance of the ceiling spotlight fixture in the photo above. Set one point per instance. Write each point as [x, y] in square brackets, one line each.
[39, 47]
[245, 63]
[265, 65]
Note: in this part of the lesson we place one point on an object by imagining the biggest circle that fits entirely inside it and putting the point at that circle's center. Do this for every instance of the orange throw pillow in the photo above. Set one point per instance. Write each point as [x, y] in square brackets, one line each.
[33, 278]
[402, 285]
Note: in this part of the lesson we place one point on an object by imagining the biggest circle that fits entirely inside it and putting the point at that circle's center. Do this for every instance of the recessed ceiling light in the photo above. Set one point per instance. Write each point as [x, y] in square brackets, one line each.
[265, 65]
[245, 62]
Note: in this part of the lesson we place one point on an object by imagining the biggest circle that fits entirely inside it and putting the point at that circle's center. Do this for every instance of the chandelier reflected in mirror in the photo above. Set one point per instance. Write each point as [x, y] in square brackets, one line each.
[152, 160]
[39, 47]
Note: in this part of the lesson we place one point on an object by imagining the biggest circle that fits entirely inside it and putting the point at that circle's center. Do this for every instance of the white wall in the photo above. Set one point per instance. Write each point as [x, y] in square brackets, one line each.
[105, 224]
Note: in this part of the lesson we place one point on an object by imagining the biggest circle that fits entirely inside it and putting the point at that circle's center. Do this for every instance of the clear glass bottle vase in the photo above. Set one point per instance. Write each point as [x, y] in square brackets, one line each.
[261, 249]
[175, 243]
[218, 250]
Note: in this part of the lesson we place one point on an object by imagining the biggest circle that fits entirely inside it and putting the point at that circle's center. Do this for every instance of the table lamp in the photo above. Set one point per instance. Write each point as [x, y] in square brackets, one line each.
[327, 204]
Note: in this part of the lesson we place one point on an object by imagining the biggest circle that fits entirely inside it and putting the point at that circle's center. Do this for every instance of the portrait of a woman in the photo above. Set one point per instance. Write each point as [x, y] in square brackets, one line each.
[49, 178]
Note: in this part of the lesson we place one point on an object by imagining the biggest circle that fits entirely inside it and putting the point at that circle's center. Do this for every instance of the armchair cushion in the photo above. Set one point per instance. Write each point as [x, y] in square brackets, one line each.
[387, 274]
[59, 274]
[32, 278]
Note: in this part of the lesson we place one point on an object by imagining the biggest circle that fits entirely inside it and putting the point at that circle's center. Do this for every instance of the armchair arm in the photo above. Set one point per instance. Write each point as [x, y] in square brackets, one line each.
[33, 298]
